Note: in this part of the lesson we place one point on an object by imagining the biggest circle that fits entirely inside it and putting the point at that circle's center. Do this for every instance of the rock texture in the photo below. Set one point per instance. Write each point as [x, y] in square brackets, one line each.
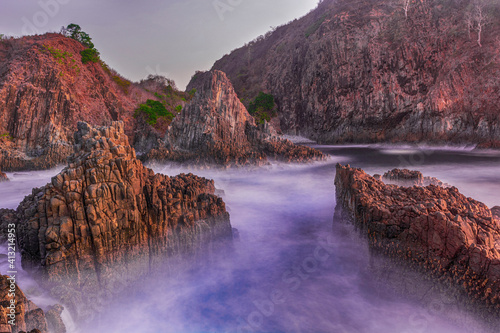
[3, 177]
[216, 128]
[106, 220]
[28, 317]
[405, 177]
[45, 90]
[359, 71]
[456, 239]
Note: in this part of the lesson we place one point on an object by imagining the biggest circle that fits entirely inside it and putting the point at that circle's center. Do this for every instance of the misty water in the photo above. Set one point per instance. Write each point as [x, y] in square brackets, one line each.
[297, 266]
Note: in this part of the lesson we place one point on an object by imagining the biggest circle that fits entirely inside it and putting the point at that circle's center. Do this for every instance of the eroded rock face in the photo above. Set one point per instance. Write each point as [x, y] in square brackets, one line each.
[45, 90]
[216, 128]
[105, 220]
[438, 228]
[28, 316]
[360, 71]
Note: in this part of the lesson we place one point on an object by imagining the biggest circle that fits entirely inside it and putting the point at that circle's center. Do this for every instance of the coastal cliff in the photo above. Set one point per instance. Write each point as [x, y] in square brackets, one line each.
[362, 71]
[216, 128]
[106, 220]
[455, 239]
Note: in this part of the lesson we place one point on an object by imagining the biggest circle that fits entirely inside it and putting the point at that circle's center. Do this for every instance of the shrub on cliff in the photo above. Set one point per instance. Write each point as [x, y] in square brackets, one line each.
[74, 31]
[262, 107]
[152, 110]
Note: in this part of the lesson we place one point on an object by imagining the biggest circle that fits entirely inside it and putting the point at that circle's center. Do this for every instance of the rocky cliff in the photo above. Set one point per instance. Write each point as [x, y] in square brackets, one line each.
[45, 89]
[454, 238]
[106, 220]
[216, 128]
[28, 317]
[360, 71]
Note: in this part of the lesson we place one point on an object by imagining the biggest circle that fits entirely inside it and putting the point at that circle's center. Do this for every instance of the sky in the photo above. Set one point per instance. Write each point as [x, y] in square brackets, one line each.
[173, 38]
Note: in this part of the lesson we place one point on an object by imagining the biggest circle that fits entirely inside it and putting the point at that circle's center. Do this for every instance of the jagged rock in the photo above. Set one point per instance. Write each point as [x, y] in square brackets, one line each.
[404, 177]
[496, 211]
[45, 90]
[360, 71]
[216, 128]
[3, 177]
[438, 228]
[106, 220]
[54, 320]
[28, 316]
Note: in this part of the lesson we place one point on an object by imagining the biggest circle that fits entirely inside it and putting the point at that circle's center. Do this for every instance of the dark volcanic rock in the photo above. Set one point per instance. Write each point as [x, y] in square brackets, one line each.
[216, 128]
[359, 71]
[28, 316]
[105, 220]
[455, 238]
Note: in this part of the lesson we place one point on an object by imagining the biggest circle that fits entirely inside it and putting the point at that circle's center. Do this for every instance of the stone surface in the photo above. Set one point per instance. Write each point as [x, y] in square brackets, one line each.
[3, 177]
[216, 128]
[359, 71]
[405, 177]
[455, 238]
[45, 90]
[106, 220]
[7, 216]
[54, 320]
[28, 316]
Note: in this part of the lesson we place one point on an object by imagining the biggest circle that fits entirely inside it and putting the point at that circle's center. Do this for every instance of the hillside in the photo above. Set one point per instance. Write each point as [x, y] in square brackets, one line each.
[361, 71]
[45, 89]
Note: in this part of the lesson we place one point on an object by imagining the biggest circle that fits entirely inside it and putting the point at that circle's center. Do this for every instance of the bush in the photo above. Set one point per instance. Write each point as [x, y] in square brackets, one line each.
[90, 55]
[263, 102]
[178, 108]
[153, 110]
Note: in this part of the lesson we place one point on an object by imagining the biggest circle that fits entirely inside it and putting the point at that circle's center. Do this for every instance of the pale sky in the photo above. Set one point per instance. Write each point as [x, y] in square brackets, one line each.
[173, 38]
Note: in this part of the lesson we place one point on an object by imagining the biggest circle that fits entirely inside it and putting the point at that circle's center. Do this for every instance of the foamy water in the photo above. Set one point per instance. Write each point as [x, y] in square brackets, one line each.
[296, 267]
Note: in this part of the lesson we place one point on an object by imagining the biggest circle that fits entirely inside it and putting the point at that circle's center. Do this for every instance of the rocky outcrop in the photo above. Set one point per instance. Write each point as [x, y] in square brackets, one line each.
[45, 89]
[405, 177]
[3, 177]
[106, 220]
[455, 238]
[28, 317]
[216, 128]
[54, 319]
[359, 71]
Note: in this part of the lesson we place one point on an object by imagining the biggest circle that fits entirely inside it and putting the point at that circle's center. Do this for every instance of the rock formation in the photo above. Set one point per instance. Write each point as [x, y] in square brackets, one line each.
[45, 89]
[3, 177]
[359, 71]
[28, 317]
[216, 128]
[405, 177]
[106, 220]
[455, 238]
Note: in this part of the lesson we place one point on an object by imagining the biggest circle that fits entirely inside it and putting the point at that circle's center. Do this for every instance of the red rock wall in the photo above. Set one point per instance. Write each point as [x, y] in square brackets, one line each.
[105, 220]
[455, 238]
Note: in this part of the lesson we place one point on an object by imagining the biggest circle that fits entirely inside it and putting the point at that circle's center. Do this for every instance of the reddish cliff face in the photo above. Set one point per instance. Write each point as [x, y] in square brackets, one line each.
[360, 71]
[45, 90]
[106, 220]
[216, 128]
[454, 238]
